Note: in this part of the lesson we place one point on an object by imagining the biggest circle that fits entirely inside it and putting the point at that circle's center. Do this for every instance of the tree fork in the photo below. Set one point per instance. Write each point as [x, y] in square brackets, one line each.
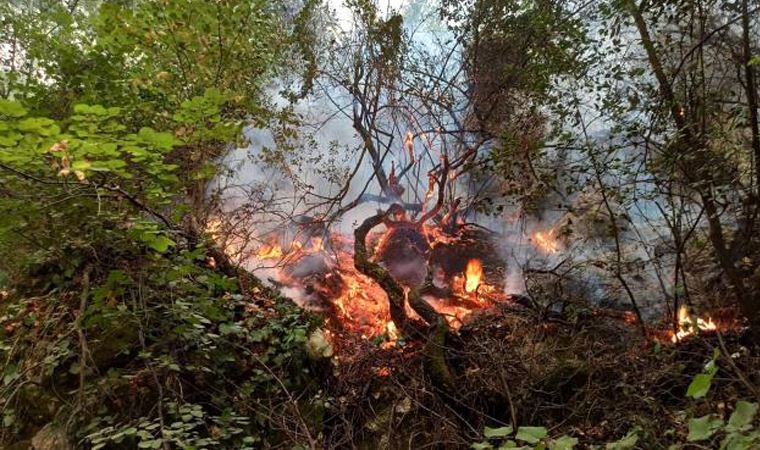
[435, 354]
[373, 270]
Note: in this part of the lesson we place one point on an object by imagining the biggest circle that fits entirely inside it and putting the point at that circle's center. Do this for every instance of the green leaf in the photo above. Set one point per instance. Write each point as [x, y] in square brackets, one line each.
[11, 109]
[510, 444]
[151, 443]
[230, 328]
[160, 140]
[703, 427]
[741, 419]
[627, 442]
[160, 243]
[740, 441]
[10, 374]
[531, 435]
[39, 125]
[497, 432]
[481, 446]
[563, 443]
[10, 139]
[700, 385]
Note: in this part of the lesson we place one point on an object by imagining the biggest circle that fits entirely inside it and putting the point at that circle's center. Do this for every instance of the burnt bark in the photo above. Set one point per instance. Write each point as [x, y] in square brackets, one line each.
[435, 349]
[364, 264]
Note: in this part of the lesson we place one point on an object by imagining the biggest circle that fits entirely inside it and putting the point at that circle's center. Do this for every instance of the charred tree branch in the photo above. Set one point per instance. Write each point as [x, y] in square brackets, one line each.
[366, 266]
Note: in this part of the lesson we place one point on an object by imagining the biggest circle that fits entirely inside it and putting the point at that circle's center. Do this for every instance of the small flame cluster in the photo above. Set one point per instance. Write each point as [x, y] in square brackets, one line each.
[689, 325]
[361, 305]
[546, 241]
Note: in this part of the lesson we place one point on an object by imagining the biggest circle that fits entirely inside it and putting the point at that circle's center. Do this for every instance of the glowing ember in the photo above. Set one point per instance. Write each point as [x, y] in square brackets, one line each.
[473, 274]
[546, 241]
[688, 325]
[436, 236]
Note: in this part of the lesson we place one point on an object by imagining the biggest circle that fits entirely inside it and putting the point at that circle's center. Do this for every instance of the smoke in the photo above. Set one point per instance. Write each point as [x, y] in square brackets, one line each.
[278, 178]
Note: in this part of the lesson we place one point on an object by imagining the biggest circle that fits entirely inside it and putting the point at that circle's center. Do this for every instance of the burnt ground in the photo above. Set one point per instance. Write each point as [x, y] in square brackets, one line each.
[593, 376]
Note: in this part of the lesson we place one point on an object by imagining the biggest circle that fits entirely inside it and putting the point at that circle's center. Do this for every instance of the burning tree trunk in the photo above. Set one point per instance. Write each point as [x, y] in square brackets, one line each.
[435, 349]
[365, 265]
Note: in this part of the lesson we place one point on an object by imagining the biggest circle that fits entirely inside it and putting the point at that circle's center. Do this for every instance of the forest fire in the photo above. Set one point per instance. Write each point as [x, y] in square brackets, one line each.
[689, 325]
[269, 251]
[319, 274]
[546, 241]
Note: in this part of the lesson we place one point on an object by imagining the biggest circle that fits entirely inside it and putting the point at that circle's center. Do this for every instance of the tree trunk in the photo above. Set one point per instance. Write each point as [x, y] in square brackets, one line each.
[697, 174]
[751, 90]
[435, 349]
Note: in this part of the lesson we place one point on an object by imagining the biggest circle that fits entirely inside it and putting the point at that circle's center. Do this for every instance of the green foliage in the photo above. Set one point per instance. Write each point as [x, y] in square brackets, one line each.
[703, 427]
[500, 432]
[627, 442]
[738, 433]
[701, 383]
[153, 324]
[525, 438]
[110, 125]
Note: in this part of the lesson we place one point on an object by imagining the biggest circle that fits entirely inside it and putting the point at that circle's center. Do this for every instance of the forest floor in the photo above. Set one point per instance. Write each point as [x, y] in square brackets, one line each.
[594, 377]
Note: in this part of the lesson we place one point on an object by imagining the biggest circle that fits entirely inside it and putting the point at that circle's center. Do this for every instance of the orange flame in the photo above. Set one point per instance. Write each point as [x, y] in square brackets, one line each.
[473, 274]
[546, 241]
[688, 324]
[360, 304]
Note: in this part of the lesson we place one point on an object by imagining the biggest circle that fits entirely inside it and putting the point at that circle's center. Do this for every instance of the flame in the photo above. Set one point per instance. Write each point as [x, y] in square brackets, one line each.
[359, 305]
[392, 334]
[391, 330]
[267, 251]
[473, 274]
[213, 227]
[546, 241]
[688, 324]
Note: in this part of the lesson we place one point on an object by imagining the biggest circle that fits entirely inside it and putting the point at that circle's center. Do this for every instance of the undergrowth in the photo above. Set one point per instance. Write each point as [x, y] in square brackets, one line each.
[151, 350]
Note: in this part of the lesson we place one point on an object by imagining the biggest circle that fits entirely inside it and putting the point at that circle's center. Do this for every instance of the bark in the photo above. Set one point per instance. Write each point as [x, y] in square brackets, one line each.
[435, 349]
[365, 265]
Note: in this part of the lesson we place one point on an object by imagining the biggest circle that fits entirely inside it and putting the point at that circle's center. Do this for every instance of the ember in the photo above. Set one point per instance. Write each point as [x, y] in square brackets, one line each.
[688, 324]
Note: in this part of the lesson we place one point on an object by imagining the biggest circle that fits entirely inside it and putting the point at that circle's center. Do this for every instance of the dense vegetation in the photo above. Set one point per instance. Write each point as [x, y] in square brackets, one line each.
[126, 323]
